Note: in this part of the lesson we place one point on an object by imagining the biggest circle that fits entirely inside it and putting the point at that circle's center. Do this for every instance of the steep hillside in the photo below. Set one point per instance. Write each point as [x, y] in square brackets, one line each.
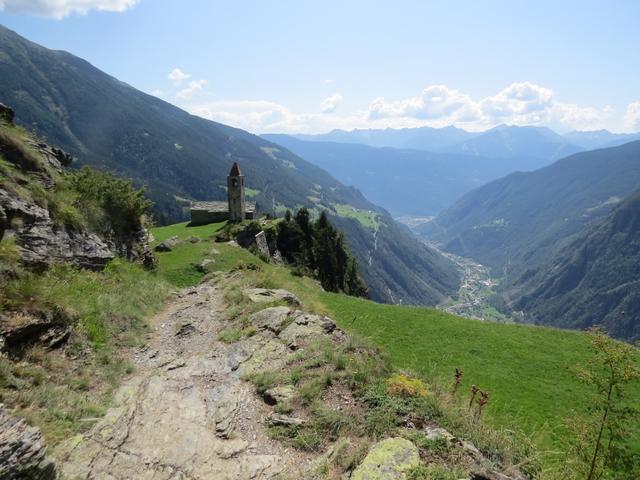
[422, 138]
[519, 221]
[506, 141]
[178, 156]
[593, 280]
[405, 182]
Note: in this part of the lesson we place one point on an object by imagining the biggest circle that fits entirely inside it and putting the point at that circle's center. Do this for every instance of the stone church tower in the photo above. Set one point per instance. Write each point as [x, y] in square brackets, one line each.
[235, 190]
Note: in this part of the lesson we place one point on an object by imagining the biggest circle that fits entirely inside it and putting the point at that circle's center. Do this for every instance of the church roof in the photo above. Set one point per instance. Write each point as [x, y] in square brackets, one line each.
[220, 207]
[235, 170]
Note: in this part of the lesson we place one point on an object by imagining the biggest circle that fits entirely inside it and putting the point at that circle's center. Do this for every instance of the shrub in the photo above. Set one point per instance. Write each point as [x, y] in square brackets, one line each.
[406, 386]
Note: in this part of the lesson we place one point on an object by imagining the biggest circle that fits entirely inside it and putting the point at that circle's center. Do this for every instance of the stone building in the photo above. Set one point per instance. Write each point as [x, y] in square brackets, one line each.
[235, 209]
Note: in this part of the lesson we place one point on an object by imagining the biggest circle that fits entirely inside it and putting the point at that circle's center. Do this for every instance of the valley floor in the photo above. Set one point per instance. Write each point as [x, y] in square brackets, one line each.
[476, 291]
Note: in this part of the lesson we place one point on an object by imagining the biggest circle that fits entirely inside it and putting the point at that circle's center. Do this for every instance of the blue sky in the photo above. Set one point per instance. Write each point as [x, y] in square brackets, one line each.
[310, 66]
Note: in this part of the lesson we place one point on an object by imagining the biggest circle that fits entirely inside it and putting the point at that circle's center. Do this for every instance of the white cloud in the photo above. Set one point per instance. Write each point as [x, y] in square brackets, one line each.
[194, 87]
[435, 102]
[632, 117]
[330, 103]
[157, 93]
[522, 103]
[59, 9]
[177, 76]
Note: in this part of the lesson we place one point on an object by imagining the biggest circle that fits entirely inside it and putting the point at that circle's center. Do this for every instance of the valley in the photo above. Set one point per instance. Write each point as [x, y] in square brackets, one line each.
[477, 289]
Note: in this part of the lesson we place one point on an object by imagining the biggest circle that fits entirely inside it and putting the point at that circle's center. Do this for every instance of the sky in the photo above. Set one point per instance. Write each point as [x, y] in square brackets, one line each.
[312, 66]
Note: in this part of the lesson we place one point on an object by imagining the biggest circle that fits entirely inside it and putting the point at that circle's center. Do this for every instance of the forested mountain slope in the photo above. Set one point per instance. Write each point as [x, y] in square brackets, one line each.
[519, 221]
[595, 279]
[107, 123]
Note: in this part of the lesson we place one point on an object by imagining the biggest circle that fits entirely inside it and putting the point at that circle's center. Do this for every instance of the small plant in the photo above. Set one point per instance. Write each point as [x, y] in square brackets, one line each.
[474, 392]
[482, 402]
[402, 385]
[598, 444]
[457, 379]
[264, 381]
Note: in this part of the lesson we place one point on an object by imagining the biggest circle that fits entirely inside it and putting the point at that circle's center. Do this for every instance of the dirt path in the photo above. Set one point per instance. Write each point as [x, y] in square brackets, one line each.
[186, 413]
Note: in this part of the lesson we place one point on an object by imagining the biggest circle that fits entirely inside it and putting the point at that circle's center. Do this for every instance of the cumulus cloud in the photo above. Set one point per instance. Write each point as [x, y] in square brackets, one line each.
[330, 103]
[632, 117]
[435, 102]
[523, 103]
[177, 76]
[59, 9]
[194, 87]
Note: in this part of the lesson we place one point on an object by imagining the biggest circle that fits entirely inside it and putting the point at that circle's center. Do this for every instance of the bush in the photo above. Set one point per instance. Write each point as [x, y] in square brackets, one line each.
[111, 205]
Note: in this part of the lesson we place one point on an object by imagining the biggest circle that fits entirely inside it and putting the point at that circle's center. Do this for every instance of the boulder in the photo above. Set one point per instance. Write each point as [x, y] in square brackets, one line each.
[305, 326]
[6, 113]
[438, 433]
[261, 244]
[168, 245]
[390, 459]
[274, 319]
[266, 295]
[22, 451]
[206, 265]
[279, 394]
[276, 419]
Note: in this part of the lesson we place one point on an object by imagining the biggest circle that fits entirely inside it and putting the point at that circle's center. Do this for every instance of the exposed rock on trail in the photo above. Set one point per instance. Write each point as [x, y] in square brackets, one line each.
[187, 413]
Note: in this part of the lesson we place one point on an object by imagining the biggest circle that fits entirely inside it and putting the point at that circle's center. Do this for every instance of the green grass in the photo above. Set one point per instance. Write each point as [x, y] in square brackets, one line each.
[64, 393]
[525, 368]
[367, 218]
[179, 267]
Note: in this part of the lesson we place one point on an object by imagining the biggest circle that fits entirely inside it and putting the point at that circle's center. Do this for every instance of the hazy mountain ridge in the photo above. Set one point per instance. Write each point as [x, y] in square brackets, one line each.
[502, 140]
[108, 123]
[406, 182]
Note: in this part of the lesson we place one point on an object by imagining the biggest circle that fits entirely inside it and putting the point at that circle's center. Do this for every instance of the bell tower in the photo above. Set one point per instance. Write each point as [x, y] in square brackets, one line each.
[235, 191]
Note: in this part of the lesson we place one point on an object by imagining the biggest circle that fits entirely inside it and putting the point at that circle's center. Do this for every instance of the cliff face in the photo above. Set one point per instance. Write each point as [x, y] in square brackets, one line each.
[42, 214]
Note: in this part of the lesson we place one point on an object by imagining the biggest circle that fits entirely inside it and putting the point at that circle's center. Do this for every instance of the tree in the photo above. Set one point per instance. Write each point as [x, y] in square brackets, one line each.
[598, 448]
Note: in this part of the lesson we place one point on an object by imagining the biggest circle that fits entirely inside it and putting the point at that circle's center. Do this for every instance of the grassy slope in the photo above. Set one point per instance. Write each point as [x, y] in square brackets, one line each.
[525, 368]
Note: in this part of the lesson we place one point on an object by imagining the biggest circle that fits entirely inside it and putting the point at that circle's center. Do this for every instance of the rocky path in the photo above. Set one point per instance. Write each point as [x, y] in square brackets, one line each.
[186, 413]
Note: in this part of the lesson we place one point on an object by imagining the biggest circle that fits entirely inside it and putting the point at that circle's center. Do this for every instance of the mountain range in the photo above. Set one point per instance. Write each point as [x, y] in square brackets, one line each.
[419, 172]
[403, 181]
[501, 141]
[106, 123]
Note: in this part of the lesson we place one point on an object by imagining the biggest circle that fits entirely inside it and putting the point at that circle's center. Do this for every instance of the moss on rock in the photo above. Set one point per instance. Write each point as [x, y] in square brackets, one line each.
[390, 459]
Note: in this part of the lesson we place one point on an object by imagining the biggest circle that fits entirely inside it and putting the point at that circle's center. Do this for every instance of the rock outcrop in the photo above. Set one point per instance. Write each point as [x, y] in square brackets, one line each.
[22, 328]
[265, 295]
[22, 451]
[6, 113]
[43, 243]
[168, 245]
